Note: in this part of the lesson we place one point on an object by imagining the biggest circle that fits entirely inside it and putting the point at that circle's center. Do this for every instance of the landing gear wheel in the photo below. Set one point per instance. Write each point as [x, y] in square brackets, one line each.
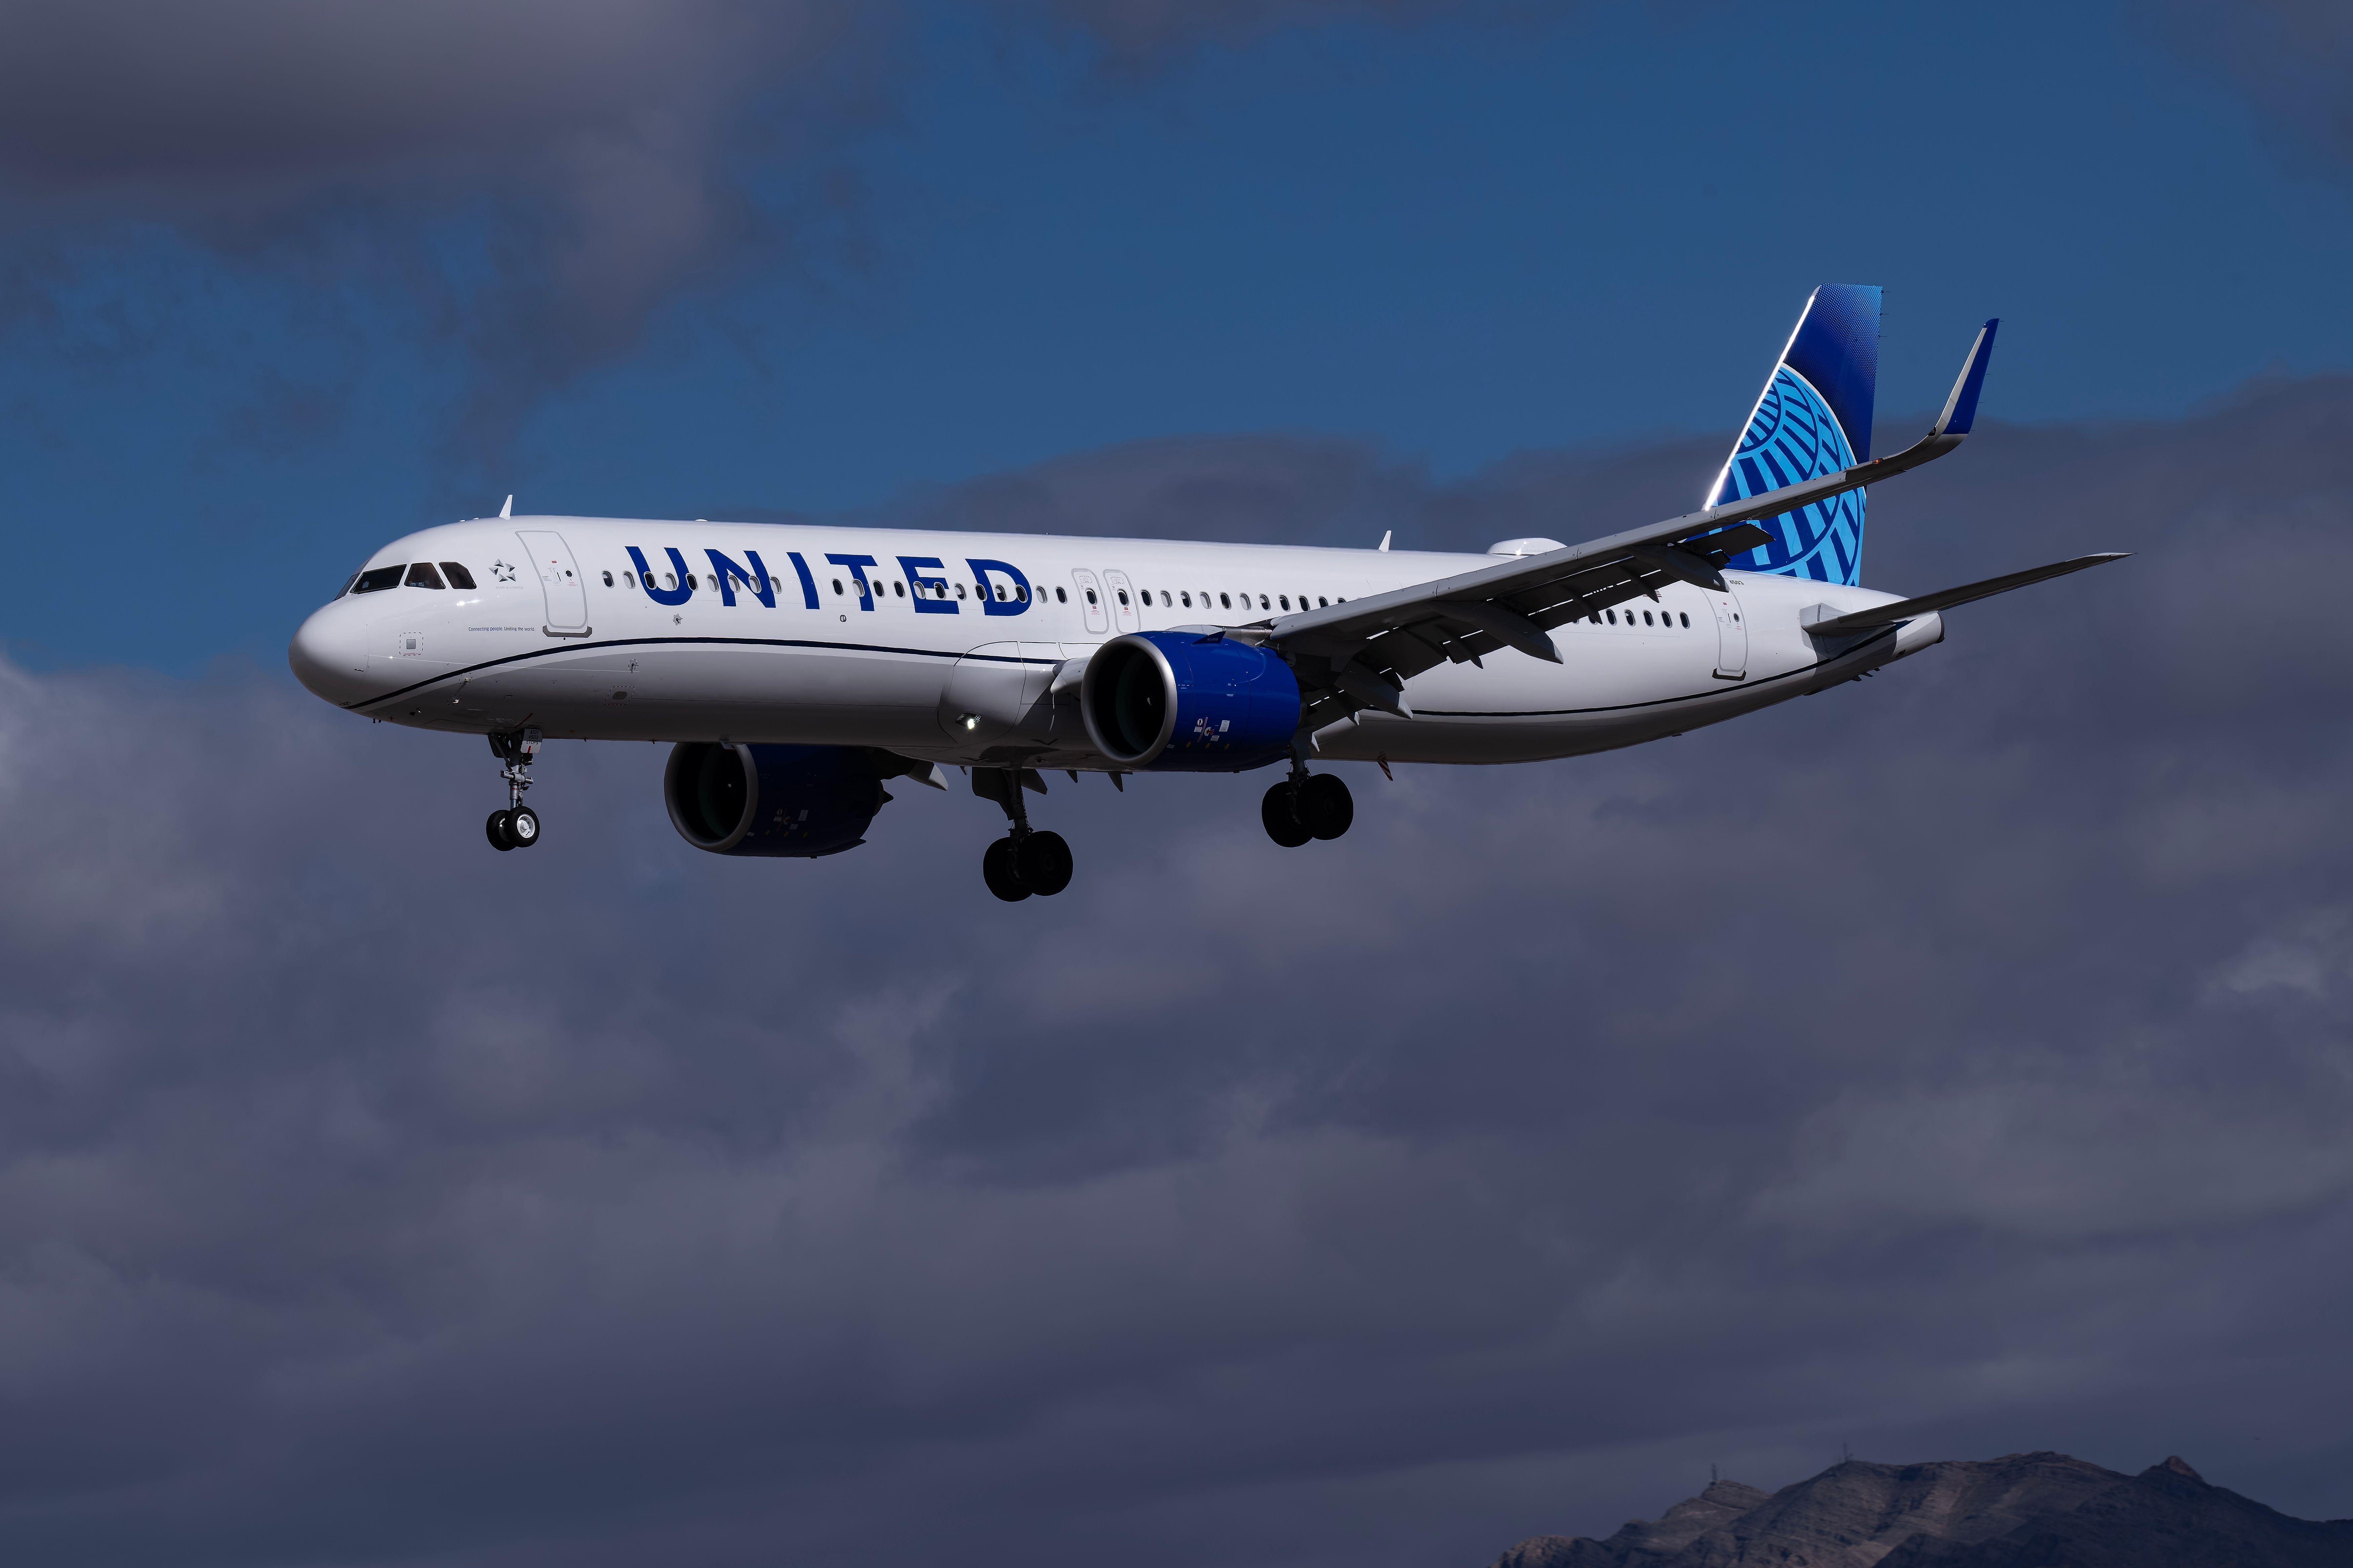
[1044, 863]
[1282, 824]
[1325, 808]
[1002, 872]
[522, 828]
[497, 829]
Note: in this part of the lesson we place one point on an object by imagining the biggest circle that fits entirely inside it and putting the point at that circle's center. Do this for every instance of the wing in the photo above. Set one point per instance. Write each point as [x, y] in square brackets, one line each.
[1360, 654]
[1904, 609]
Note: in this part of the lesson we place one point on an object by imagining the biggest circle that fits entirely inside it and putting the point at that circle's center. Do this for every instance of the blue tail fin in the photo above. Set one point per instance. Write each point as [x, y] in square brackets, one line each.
[1813, 418]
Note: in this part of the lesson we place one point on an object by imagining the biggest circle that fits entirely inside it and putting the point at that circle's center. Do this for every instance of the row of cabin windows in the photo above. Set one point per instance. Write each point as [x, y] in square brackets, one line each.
[1666, 617]
[939, 589]
[1225, 601]
[421, 574]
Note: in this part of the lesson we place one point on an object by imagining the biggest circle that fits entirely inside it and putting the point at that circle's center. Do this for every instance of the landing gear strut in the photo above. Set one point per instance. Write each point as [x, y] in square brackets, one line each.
[1307, 806]
[1025, 861]
[516, 827]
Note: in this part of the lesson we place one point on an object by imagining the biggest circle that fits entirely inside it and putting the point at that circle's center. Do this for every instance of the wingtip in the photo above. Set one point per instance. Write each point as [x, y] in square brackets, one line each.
[1961, 408]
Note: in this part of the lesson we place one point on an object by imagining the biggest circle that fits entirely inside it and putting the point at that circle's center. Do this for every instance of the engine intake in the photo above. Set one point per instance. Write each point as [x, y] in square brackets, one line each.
[1178, 702]
[803, 801]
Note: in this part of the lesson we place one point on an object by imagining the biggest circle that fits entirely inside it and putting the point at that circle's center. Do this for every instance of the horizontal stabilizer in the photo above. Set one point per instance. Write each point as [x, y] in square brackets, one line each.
[1927, 604]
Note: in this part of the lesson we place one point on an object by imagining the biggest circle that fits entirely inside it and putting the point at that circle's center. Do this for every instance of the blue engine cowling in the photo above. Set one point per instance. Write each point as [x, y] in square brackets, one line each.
[1181, 702]
[803, 801]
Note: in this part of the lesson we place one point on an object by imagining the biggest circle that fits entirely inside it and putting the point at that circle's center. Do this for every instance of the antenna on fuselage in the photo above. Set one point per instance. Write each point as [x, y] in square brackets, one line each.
[508, 510]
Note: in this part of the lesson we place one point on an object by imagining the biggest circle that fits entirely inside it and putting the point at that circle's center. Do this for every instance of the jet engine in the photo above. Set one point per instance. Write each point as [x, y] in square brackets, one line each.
[1181, 702]
[804, 801]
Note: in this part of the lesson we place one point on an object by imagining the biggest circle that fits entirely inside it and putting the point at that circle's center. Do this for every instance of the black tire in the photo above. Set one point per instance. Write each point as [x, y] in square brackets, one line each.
[999, 869]
[522, 828]
[1044, 861]
[497, 829]
[1277, 812]
[1325, 807]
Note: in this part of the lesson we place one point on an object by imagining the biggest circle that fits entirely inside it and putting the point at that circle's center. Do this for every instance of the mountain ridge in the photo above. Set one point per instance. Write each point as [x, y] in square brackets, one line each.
[2041, 1509]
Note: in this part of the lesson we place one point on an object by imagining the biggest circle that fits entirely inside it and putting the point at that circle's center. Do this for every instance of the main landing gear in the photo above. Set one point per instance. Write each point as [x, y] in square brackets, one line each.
[1307, 806]
[516, 827]
[1025, 861]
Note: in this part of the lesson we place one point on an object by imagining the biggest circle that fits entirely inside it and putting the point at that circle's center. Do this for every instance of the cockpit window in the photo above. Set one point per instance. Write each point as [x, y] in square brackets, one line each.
[459, 576]
[422, 575]
[378, 580]
[346, 588]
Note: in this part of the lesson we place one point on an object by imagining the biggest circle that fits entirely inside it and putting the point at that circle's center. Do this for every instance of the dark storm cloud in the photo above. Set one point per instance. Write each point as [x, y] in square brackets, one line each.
[1953, 1063]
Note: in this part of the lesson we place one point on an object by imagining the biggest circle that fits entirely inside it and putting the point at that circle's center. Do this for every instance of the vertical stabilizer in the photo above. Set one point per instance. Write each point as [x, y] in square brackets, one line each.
[1813, 418]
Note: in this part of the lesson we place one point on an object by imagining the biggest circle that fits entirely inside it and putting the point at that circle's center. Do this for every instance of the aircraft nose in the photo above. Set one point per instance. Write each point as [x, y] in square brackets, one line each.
[329, 654]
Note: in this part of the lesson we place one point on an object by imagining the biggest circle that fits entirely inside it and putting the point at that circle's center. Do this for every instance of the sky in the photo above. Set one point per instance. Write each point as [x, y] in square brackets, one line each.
[1953, 1064]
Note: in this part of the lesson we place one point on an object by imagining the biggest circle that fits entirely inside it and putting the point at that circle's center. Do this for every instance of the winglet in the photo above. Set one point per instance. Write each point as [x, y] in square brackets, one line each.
[1961, 408]
[508, 510]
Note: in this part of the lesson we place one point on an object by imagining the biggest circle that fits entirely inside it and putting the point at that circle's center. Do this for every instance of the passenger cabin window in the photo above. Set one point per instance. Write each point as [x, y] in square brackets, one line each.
[1686, 617]
[422, 575]
[459, 576]
[629, 580]
[1187, 598]
[378, 580]
[1226, 601]
[608, 579]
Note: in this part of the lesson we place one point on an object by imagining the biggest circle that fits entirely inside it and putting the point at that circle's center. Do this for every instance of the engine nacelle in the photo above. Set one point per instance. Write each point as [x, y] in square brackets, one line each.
[803, 801]
[1180, 702]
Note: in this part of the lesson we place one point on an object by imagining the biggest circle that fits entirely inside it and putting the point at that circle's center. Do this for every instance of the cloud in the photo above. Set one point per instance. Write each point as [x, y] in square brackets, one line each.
[1947, 1063]
[2294, 59]
[527, 181]
[593, 138]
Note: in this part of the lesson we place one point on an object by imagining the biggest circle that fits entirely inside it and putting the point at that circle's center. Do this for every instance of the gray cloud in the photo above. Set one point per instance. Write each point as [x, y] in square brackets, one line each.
[534, 180]
[2294, 58]
[1951, 1064]
[591, 138]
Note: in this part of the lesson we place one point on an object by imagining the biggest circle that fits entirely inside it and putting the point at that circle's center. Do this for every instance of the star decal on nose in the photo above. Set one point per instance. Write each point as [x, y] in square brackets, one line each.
[503, 571]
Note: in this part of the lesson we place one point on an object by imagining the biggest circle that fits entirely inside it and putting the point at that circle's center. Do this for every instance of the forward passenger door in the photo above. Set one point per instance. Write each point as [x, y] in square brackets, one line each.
[559, 579]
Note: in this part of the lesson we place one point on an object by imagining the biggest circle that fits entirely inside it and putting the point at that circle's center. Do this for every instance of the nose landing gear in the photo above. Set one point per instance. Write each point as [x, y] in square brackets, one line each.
[516, 827]
[1025, 861]
[1307, 806]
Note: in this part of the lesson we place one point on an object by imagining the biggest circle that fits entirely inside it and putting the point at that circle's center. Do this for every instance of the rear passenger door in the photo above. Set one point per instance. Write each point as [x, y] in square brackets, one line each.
[559, 579]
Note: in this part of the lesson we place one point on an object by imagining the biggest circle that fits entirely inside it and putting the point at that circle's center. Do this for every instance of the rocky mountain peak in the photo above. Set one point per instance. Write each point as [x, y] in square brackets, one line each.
[2016, 1511]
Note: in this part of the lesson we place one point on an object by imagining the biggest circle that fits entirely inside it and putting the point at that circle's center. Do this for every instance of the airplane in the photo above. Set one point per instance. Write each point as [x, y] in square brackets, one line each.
[797, 668]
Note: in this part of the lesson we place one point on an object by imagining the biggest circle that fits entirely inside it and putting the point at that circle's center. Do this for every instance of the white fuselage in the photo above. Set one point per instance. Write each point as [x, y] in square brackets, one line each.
[881, 637]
